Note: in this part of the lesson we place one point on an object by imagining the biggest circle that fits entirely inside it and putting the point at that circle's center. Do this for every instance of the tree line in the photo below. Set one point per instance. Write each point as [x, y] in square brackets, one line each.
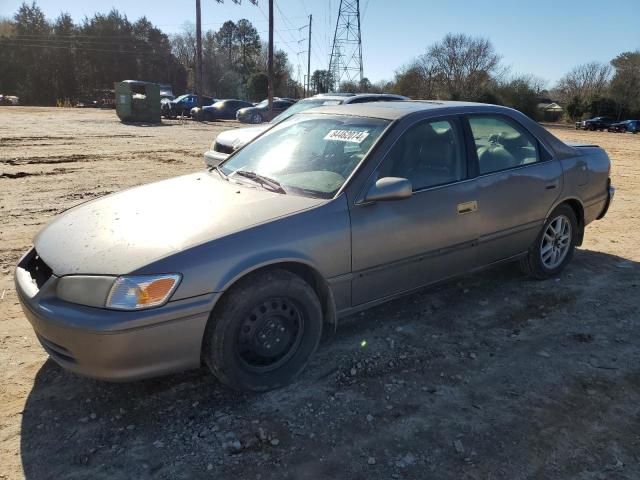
[461, 67]
[44, 60]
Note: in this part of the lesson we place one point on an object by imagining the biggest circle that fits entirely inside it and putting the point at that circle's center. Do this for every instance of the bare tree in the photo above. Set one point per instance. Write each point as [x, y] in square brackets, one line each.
[584, 82]
[462, 65]
[183, 47]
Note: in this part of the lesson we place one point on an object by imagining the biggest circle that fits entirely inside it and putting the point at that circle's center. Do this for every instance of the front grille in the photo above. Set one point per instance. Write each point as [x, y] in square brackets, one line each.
[39, 271]
[228, 149]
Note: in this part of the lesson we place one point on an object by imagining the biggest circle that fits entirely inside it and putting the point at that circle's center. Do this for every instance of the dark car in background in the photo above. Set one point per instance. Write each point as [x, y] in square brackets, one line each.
[632, 126]
[183, 105]
[260, 113]
[221, 110]
[596, 123]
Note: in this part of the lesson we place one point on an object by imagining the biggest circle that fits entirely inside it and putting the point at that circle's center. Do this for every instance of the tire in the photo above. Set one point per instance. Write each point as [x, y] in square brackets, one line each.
[256, 118]
[537, 263]
[263, 332]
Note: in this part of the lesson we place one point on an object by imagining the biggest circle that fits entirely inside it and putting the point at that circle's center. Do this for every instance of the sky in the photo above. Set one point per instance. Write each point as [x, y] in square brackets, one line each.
[545, 38]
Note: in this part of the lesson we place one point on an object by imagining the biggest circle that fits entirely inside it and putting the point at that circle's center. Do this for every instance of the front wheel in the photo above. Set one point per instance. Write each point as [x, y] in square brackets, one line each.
[264, 331]
[256, 118]
[554, 246]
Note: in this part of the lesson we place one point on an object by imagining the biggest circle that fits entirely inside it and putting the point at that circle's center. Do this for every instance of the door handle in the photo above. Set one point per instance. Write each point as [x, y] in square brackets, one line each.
[467, 207]
[551, 187]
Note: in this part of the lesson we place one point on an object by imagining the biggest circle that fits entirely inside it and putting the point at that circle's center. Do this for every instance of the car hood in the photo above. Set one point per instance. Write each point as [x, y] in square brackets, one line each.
[238, 137]
[123, 232]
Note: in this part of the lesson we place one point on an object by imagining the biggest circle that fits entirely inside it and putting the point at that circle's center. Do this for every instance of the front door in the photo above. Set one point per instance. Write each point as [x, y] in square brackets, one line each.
[401, 245]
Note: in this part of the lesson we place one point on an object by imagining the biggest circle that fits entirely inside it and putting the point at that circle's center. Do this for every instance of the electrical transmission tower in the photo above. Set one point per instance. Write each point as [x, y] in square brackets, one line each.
[345, 63]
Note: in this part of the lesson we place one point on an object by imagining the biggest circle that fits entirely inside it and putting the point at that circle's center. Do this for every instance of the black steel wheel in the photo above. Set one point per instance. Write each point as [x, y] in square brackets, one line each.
[264, 331]
[270, 334]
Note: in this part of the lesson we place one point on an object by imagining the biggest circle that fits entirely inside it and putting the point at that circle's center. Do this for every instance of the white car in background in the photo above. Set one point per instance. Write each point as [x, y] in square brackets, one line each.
[229, 141]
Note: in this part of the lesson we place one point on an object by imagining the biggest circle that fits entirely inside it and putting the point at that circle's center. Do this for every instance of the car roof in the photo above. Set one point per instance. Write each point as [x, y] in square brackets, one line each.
[394, 110]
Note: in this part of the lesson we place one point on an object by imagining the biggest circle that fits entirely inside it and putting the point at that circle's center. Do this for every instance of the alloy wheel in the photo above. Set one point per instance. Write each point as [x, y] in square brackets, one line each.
[556, 242]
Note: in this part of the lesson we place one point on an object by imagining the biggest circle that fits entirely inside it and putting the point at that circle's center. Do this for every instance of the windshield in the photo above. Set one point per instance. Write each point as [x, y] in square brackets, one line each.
[262, 103]
[311, 155]
[182, 97]
[301, 106]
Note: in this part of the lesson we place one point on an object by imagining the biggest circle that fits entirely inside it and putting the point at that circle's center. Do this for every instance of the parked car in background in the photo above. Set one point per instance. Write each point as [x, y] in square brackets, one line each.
[596, 123]
[260, 113]
[632, 126]
[231, 140]
[330, 212]
[183, 104]
[221, 110]
[9, 100]
[86, 102]
[106, 98]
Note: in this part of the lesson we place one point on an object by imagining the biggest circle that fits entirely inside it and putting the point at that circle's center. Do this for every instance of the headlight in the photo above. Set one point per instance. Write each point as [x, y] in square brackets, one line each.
[89, 290]
[142, 291]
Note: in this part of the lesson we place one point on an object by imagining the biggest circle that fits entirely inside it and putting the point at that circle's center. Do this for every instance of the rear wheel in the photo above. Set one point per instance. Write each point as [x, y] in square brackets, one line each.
[264, 331]
[554, 246]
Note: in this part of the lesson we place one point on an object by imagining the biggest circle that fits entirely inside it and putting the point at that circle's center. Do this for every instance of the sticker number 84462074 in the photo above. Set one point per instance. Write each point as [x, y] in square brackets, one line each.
[354, 136]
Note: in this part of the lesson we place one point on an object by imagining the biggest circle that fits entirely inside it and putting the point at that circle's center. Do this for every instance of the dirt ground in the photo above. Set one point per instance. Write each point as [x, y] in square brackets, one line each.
[493, 376]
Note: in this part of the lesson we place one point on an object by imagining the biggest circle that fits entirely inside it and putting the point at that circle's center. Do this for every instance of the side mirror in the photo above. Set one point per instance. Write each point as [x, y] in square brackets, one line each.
[388, 189]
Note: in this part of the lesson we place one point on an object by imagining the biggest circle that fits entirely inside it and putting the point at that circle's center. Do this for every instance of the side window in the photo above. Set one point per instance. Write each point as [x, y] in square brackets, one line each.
[428, 154]
[501, 144]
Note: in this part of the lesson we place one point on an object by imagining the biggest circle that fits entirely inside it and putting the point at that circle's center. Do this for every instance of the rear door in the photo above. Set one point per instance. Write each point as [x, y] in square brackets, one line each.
[518, 182]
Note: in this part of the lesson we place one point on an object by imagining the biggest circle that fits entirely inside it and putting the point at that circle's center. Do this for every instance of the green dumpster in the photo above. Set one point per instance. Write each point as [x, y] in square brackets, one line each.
[138, 101]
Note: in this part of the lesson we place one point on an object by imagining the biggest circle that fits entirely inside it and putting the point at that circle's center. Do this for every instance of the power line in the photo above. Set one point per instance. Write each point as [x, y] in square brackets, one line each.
[276, 30]
[20, 45]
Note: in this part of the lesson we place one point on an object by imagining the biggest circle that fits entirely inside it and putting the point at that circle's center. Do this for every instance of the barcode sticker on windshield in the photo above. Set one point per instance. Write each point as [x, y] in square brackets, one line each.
[354, 136]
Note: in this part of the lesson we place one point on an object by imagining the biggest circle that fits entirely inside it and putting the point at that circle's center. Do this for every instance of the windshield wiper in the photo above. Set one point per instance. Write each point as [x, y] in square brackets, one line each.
[266, 182]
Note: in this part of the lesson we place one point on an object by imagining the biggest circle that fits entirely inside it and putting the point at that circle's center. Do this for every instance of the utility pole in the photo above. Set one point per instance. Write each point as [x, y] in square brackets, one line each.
[270, 61]
[198, 76]
[309, 56]
[198, 79]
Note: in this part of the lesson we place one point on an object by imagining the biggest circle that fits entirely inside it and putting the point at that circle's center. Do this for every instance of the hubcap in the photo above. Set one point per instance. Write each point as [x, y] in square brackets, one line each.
[556, 242]
[270, 334]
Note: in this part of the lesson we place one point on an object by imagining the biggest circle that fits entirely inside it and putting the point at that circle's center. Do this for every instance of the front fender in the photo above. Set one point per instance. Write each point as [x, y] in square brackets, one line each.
[318, 238]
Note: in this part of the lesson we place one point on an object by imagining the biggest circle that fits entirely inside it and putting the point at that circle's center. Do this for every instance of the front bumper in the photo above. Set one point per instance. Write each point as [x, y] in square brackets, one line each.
[213, 158]
[114, 345]
[244, 118]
